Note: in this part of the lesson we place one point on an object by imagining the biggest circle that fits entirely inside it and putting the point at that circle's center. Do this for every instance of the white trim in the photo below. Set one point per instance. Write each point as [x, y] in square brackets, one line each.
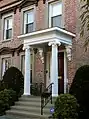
[48, 30]
[65, 72]
[48, 68]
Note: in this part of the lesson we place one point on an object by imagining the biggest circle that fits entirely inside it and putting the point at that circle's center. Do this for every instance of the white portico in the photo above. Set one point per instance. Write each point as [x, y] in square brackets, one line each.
[54, 38]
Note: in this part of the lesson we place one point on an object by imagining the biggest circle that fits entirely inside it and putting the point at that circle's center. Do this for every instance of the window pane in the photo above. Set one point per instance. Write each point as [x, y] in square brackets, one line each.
[56, 21]
[30, 18]
[56, 9]
[10, 23]
[29, 28]
[8, 33]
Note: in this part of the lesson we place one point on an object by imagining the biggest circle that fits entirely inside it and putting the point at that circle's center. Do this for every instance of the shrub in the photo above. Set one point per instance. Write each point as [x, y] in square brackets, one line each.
[11, 96]
[14, 79]
[2, 107]
[80, 89]
[66, 107]
[7, 98]
[4, 96]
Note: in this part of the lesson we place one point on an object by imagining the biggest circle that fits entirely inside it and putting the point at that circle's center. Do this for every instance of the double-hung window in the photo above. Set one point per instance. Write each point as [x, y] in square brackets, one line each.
[8, 28]
[55, 14]
[6, 63]
[29, 21]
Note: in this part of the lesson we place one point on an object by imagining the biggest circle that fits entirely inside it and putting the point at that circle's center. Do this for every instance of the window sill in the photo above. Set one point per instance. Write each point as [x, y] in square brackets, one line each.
[6, 40]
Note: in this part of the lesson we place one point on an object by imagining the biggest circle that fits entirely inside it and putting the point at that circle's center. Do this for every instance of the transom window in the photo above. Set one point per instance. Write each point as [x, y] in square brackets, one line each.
[28, 21]
[55, 14]
[8, 28]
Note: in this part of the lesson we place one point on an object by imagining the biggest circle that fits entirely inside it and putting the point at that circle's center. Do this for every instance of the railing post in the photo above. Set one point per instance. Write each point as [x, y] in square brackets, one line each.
[51, 94]
[42, 103]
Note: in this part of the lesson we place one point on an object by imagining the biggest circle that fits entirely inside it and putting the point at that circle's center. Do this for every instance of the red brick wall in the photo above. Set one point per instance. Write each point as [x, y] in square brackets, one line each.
[40, 14]
[69, 23]
[70, 8]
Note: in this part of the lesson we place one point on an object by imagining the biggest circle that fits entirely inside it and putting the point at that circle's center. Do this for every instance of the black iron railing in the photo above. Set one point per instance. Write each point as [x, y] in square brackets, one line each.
[46, 96]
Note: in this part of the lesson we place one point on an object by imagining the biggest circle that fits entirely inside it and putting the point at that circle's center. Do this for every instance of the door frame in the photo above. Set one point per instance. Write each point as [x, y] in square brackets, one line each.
[65, 70]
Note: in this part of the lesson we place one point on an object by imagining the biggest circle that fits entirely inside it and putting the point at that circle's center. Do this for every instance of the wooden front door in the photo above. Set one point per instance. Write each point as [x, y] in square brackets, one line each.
[60, 72]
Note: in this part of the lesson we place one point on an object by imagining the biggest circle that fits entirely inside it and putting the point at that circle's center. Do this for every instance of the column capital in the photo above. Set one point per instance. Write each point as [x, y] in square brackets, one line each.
[26, 47]
[54, 43]
[68, 51]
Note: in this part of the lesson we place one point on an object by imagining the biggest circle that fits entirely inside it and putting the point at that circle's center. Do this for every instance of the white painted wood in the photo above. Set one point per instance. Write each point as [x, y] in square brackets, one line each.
[54, 70]
[65, 72]
[48, 35]
[54, 67]
[48, 67]
[27, 71]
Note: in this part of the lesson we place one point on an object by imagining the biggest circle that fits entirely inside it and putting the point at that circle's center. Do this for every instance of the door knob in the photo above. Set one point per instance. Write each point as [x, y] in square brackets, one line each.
[59, 77]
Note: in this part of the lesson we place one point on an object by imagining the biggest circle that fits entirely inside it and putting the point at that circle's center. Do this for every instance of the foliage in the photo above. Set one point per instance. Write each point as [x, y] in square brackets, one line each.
[14, 79]
[66, 107]
[85, 19]
[80, 89]
[35, 89]
[7, 98]
[2, 107]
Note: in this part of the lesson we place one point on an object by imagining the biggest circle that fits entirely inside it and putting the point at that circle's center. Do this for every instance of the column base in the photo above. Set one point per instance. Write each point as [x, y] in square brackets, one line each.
[26, 94]
[54, 95]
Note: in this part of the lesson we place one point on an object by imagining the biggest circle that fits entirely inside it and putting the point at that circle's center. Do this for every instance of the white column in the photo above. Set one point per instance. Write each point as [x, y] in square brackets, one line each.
[54, 68]
[65, 72]
[27, 71]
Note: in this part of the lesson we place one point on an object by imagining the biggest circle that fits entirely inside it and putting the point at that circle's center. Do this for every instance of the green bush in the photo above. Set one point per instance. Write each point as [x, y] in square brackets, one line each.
[11, 96]
[14, 79]
[2, 107]
[7, 98]
[66, 107]
[4, 96]
[80, 89]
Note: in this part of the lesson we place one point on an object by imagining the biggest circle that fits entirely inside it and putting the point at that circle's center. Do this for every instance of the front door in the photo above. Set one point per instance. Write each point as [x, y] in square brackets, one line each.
[60, 72]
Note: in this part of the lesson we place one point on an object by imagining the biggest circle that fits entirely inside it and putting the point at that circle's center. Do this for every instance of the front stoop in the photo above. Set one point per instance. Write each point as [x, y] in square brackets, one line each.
[29, 107]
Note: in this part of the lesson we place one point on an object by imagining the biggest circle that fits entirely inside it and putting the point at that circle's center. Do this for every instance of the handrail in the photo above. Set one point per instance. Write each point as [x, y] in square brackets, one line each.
[46, 96]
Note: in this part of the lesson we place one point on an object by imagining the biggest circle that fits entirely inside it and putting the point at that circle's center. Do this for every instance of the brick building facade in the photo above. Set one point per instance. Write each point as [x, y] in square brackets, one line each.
[11, 49]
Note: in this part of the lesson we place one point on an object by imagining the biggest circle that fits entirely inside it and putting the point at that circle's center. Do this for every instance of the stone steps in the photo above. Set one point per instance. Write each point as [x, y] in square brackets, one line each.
[29, 107]
[25, 114]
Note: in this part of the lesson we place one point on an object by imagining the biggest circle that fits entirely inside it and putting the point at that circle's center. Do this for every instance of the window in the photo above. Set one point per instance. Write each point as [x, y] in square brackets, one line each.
[55, 14]
[28, 21]
[6, 63]
[8, 27]
[23, 63]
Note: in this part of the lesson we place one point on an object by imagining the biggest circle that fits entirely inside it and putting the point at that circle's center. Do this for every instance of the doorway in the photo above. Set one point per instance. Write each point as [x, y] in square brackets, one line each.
[60, 72]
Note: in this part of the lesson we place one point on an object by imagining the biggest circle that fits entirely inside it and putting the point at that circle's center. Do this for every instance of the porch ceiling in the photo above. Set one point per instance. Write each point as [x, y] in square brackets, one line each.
[47, 35]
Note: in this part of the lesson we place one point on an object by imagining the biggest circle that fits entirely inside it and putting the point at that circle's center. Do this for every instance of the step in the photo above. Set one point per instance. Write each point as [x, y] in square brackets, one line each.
[26, 114]
[31, 109]
[34, 104]
[26, 103]
[32, 99]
